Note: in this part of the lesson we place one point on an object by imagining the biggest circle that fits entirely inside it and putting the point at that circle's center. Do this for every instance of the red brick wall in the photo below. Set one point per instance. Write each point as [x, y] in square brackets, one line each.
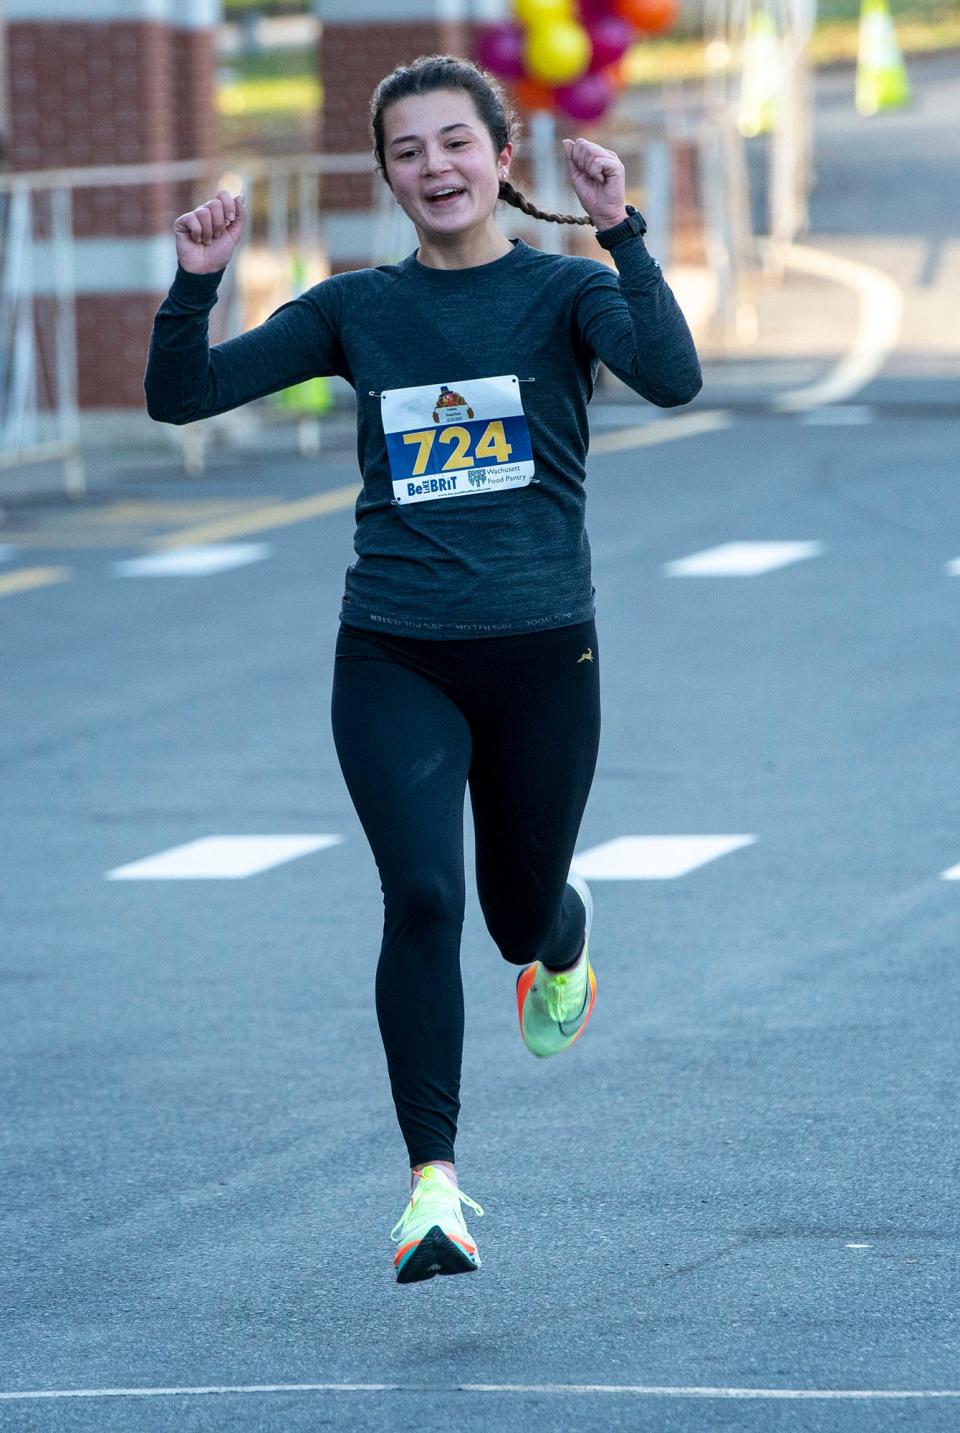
[353, 59]
[119, 92]
[113, 334]
[109, 93]
[192, 93]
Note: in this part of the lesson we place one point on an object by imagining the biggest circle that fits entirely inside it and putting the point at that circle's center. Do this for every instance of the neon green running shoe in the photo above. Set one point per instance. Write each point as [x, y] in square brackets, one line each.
[553, 1009]
[431, 1232]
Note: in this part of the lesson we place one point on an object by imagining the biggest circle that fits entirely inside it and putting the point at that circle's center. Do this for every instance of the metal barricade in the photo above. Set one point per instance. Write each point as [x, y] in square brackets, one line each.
[39, 412]
[285, 250]
[38, 360]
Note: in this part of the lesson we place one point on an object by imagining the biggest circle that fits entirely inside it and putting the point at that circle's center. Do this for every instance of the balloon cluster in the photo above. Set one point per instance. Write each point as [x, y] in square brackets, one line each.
[567, 54]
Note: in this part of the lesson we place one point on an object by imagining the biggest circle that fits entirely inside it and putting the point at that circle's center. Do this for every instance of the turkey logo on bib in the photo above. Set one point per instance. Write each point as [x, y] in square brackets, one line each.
[451, 407]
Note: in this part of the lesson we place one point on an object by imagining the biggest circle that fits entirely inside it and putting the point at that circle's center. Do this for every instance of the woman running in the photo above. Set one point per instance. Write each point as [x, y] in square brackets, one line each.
[467, 651]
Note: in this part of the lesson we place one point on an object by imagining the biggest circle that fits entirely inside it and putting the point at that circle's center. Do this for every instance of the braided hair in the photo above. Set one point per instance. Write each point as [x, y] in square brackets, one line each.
[448, 72]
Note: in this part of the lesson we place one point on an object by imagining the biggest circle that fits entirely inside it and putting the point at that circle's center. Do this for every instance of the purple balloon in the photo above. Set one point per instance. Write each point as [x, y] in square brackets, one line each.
[500, 50]
[588, 97]
[611, 37]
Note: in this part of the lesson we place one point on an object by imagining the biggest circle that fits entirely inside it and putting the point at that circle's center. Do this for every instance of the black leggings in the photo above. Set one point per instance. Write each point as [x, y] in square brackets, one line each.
[414, 721]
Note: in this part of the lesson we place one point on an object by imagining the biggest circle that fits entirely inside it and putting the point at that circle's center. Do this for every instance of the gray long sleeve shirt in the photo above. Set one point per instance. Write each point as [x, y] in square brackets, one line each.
[472, 389]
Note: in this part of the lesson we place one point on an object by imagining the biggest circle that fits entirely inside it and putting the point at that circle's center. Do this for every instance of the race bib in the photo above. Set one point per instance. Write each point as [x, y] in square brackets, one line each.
[447, 440]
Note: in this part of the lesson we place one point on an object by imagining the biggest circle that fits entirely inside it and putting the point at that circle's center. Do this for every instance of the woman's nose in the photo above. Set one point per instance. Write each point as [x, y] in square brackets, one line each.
[434, 161]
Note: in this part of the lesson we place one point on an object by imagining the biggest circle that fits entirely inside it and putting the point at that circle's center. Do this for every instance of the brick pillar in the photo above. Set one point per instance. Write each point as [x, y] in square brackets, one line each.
[361, 41]
[129, 82]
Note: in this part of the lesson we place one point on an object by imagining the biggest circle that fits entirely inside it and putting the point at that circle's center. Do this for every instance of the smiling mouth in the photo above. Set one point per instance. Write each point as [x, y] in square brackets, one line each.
[446, 197]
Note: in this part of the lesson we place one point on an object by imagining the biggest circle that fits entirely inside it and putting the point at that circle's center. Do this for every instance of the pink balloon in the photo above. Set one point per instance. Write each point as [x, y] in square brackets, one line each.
[591, 10]
[588, 97]
[611, 38]
[500, 50]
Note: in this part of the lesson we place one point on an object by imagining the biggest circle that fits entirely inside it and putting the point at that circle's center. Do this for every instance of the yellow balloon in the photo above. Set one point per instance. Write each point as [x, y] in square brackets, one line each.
[557, 53]
[541, 12]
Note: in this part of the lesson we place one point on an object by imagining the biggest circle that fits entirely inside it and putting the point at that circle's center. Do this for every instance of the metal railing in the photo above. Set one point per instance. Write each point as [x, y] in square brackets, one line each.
[39, 416]
[38, 360]
[39, 411]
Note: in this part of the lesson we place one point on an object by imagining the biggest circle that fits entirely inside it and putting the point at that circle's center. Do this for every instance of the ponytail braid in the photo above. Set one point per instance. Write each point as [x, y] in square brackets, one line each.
[509, 195]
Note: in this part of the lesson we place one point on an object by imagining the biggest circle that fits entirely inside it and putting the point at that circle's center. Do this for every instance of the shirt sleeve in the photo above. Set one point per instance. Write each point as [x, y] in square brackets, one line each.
[186, 379]
[632, 322]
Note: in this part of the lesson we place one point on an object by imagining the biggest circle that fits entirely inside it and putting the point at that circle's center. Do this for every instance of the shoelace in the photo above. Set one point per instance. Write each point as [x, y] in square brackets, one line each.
[425, 1191]
[556, 991]
[554, 995]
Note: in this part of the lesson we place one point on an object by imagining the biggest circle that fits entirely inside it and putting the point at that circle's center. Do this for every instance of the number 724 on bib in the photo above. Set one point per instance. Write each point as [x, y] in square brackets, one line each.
[459, 446]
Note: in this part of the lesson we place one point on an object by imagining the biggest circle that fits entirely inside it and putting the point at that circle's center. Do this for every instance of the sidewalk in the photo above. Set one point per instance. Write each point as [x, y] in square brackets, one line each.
[790, 333]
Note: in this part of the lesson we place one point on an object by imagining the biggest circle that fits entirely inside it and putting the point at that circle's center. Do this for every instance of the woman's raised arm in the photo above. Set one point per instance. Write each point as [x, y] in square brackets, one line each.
[185, 378]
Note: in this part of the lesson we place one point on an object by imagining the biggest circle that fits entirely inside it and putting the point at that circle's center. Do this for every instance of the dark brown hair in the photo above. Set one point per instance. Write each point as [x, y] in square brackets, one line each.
[448, 72]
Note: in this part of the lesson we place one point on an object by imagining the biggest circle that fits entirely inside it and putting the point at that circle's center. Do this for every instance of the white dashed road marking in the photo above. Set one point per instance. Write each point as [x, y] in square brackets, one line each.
[635, 1390]
[653, 858]
[25, 579]
[878, 330]
[221, 858]
[742, 559]
[193, 561]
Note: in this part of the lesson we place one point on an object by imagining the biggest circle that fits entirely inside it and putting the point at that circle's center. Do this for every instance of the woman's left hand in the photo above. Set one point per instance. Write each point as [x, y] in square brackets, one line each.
[598, 179]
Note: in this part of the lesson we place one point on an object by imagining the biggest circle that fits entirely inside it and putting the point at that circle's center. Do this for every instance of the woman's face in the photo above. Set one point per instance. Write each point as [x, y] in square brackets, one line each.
[436, 142]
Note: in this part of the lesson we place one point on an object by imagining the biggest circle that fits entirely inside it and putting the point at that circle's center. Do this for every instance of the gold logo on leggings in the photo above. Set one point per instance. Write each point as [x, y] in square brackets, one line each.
[587, 656]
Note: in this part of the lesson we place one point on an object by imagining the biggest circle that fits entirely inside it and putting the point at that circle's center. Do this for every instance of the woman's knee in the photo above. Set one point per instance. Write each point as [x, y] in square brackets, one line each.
[517, 946]
[539, 933]
[425, 902]
[518, 955]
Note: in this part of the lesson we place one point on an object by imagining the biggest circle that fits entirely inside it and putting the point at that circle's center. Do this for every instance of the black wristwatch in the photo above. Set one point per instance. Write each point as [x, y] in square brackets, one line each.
[632, 225]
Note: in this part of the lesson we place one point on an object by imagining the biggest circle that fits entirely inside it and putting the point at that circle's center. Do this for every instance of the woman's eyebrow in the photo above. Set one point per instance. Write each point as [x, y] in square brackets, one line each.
[405, 138]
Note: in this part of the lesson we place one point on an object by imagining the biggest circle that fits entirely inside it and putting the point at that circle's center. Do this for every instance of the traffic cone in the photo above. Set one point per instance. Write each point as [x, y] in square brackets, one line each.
[882, 81]
[760, 80]
[313, 395]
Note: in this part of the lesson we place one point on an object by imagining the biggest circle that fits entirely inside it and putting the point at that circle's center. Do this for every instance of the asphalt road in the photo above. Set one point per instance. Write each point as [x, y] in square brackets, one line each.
[742, 1180]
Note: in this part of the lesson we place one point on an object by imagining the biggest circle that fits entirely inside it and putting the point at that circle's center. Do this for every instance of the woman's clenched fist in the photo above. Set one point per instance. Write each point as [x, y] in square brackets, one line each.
[598, 179]
[207, 237]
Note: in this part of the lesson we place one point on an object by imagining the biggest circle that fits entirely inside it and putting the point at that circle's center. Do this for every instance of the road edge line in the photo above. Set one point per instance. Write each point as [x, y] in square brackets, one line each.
[878, 331]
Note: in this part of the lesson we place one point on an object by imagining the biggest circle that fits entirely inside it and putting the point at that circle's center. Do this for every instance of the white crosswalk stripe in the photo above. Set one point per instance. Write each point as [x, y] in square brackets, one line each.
[653, 858]
[742, 559]
[193, 561]
[221, 858]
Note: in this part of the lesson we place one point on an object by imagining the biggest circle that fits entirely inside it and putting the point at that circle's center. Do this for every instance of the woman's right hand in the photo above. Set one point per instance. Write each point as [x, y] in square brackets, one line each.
[206, 237]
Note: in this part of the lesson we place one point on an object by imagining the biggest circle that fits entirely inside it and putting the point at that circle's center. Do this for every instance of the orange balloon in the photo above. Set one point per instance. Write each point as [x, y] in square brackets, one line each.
[616, 74]
[649, 16]
[533, 94]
